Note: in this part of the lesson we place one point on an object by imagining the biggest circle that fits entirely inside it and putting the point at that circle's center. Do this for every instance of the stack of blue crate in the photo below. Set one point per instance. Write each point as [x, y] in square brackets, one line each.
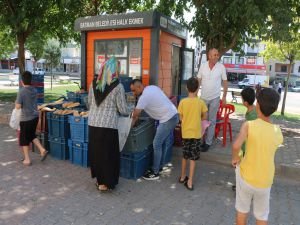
[80, 97]
[38, 82]
[137, 152]
[59, 132]
[78, 143]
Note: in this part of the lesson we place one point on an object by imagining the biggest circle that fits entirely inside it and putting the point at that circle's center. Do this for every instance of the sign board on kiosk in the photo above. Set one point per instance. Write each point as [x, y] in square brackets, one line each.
[145, 44]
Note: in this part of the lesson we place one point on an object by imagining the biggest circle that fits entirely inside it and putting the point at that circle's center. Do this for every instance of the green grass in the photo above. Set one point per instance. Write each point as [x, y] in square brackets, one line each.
[56, 92]
[7, 95]
[240, 109]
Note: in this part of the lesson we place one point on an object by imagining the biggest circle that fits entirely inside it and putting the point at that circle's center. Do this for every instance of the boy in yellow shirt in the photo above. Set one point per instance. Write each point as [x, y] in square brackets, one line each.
[255, 171]
[191, 111]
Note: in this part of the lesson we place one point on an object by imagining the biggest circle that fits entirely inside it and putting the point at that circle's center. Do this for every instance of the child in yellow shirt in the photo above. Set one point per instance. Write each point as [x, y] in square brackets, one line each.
[191, 111]
[255, 171]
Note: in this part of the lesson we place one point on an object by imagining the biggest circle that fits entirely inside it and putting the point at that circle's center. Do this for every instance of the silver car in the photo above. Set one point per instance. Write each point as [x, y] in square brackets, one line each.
[296, 89]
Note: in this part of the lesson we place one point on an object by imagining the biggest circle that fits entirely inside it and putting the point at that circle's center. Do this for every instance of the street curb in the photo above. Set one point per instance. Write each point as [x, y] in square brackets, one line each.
[290, 171]
[283, 170]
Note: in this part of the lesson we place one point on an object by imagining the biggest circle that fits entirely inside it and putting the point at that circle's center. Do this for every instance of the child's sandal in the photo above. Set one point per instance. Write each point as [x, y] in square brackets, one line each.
[184, 180]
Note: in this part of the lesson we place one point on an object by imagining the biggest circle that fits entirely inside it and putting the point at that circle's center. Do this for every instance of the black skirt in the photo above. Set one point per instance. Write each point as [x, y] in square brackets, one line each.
[104, 155]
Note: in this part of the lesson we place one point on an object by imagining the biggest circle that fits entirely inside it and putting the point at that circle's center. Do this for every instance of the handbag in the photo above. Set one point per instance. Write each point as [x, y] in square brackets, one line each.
[14, 122]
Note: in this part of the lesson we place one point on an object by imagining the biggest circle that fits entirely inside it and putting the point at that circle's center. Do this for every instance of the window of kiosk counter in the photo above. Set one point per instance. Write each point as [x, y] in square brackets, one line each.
[127, 51]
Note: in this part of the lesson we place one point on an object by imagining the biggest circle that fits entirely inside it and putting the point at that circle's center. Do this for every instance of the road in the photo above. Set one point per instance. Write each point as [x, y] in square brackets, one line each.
[292, 105]
[292, 100]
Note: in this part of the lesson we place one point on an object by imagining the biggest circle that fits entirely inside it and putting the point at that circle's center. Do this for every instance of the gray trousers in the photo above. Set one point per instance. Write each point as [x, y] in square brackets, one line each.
[213, 106]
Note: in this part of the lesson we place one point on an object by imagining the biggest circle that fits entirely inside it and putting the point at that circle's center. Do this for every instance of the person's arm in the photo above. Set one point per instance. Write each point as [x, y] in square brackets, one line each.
[135, 115]
[18, 103]
[242, 136]
[225, 88]
[18, 106]
[225, 84]
[204, 116]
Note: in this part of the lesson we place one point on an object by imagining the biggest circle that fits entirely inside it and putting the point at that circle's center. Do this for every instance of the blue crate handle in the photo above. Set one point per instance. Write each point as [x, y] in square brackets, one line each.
[77, 119]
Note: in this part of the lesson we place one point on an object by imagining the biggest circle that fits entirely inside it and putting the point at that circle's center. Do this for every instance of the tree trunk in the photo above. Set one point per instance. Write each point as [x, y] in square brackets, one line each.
[21, 52]
[199, 64]
[51, 76]
[286, 87]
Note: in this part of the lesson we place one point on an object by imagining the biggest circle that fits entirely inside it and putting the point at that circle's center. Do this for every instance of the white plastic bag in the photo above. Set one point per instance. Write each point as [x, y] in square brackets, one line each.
[205, 124]
[124, 125]
[14, 122]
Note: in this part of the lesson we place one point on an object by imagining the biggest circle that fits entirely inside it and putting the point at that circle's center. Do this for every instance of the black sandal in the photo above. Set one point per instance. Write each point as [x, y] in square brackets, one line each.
[184, 180]
[189, 188]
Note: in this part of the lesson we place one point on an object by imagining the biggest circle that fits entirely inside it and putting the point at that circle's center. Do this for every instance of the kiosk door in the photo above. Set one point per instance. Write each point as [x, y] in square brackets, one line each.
[187, 69]
[175, 69]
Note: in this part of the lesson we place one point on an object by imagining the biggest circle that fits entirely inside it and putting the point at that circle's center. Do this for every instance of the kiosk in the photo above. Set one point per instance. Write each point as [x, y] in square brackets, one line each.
[148, 45]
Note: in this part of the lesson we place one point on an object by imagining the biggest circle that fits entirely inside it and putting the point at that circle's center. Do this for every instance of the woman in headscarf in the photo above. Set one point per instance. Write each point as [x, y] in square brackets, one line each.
[106, 101]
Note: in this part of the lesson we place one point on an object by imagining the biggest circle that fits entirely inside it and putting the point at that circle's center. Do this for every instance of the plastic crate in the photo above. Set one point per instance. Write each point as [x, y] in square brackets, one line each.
[173, 99]
[39, 100]
[58, 125]
[177, 136]
[125, 81]
[83, 98]
[37, 78]
[180, 97]
[78, 152]
[79, 128]
[140, 137]
[58, 148]
[39, 89]
[134, 164]
[73, 97]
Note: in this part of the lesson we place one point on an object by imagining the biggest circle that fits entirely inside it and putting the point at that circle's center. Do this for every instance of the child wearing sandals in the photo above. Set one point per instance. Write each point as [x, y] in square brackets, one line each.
[26, 100]
[191, 111]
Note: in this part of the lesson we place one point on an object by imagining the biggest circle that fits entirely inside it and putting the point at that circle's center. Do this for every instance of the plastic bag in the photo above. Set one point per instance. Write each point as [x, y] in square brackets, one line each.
[14, 122]
[205, 124]
[124, 125]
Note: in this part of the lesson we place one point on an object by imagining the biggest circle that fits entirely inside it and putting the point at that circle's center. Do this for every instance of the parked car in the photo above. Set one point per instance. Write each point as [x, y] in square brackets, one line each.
[296, 89]
[16, 71]
[39, 71]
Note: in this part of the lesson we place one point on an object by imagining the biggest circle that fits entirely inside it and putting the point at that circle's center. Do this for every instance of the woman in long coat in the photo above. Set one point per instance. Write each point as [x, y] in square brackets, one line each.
[106, 101]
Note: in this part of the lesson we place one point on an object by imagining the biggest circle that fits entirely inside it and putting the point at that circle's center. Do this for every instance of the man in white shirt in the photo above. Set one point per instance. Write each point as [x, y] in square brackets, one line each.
[159, 107]
[211, 74]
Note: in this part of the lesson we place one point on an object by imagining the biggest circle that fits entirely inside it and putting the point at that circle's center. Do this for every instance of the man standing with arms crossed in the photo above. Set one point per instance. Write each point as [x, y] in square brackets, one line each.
[211, 74]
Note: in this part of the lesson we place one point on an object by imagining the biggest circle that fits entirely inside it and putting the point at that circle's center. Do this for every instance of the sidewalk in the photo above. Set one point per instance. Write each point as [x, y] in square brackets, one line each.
[56, 192]
[287, 159]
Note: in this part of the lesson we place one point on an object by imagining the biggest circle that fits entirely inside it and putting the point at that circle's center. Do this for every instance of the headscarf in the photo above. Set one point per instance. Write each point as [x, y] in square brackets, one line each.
[106, 80]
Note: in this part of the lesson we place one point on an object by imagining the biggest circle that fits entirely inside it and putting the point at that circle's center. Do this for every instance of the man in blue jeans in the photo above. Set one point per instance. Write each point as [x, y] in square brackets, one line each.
[159, 107]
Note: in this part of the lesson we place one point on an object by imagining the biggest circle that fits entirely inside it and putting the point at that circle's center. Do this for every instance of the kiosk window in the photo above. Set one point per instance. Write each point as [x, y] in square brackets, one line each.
[127, 51]
[135, 52]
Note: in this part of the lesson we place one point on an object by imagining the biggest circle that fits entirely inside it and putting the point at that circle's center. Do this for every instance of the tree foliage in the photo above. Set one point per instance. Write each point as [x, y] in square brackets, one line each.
[30, 23]
[36, 20]
[228, 24]
[52, 55]
[285, 48]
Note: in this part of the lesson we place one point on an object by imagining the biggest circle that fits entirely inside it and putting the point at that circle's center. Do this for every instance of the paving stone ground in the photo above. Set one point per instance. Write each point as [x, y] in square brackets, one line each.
[57, 192]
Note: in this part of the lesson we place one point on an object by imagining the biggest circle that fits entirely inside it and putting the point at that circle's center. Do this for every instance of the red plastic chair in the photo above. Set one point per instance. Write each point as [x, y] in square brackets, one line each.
[223, 121]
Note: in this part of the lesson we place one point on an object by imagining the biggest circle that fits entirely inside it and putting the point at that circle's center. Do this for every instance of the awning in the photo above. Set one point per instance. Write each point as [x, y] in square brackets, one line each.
[71, 61]
[41, 61]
